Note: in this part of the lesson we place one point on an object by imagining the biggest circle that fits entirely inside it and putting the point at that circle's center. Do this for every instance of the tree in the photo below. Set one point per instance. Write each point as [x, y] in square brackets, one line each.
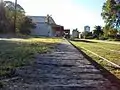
[7, 10]
[11, 6]
[113, 33]
[11, 11]
[106, 29]
[97, 32]
[111, 16]
[26, 26]
[3, 18]
[111, 13]
[7, 16]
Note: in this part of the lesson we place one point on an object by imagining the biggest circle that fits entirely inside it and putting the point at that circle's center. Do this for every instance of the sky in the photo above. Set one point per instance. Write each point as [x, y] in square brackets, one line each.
[69, 13]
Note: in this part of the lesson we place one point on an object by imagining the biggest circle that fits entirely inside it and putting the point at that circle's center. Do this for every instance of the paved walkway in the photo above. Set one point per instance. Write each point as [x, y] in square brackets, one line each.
[64, 69]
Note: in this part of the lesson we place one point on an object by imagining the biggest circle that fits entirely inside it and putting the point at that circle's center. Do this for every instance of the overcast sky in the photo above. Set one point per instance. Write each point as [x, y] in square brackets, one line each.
[69, 13]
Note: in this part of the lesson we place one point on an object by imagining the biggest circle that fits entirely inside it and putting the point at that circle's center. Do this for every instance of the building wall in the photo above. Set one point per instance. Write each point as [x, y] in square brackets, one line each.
[42, 29]
[42, 26]
[58, 31]
[75, 34]
[46, 26]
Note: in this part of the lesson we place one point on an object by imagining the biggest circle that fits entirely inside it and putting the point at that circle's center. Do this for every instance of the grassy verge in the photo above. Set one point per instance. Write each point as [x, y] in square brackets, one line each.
[19, 52]
[115, 47]
[96, 48]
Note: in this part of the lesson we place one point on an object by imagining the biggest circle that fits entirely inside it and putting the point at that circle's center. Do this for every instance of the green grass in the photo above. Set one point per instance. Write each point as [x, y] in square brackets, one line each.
[19, 52]
[108, 45]
[102, 49]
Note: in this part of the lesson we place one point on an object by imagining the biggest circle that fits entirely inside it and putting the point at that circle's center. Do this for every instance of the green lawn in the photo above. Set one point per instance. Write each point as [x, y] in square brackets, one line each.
[106, 50]
[19, 52]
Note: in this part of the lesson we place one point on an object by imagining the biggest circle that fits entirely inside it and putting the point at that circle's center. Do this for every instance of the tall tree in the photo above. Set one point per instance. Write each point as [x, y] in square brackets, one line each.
[26, 26]
[2, 16]
[111, 13]
[97, 32]
[7, 16]
[15, 13]
[11, 6]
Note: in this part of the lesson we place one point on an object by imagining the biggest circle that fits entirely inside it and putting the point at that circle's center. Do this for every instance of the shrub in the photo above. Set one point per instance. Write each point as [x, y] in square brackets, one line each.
[103, 38]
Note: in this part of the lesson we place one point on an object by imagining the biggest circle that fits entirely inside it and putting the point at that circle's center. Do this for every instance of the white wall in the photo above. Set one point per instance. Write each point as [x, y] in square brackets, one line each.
[42, 29]
[75, 33]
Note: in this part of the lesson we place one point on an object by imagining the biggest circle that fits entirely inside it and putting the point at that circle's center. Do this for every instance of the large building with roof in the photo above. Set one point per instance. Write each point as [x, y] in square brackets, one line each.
[46, 26]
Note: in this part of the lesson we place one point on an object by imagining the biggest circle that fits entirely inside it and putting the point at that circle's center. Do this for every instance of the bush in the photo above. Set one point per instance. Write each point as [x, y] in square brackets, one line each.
[118, 36]
[103, 38]
[89, 37]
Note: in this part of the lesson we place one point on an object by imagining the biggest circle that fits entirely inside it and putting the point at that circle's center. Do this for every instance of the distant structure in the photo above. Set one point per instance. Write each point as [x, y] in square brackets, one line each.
[87, 29]
[67, 33]
[46, 26]
[75, 33]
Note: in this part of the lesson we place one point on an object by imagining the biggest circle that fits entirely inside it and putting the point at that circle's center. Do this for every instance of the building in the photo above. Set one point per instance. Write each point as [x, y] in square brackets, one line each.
[75, 33]
[67, 33]
[46, 26]
[57, 30]
[87, 29]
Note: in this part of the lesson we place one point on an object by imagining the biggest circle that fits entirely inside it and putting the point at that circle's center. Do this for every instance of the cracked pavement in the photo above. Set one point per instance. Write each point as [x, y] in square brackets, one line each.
[63, 69]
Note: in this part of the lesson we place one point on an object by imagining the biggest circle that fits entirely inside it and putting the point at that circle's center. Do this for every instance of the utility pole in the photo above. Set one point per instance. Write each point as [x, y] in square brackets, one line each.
[15, 16]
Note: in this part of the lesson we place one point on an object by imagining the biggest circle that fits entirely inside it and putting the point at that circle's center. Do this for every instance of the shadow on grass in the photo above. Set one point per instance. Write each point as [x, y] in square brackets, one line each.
[107, 74]
[84, 41]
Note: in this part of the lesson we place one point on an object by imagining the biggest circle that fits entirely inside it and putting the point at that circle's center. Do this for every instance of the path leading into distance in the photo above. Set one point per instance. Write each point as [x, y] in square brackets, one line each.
[63, 69]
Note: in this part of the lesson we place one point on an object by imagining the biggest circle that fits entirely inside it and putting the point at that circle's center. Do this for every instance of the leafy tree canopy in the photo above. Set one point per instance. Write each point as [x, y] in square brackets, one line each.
[111, 13]
[7, 16]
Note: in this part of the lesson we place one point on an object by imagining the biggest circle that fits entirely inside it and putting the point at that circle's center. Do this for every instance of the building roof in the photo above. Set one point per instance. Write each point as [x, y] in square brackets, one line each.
[55, 25]
[42, 19]
[38, 18]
